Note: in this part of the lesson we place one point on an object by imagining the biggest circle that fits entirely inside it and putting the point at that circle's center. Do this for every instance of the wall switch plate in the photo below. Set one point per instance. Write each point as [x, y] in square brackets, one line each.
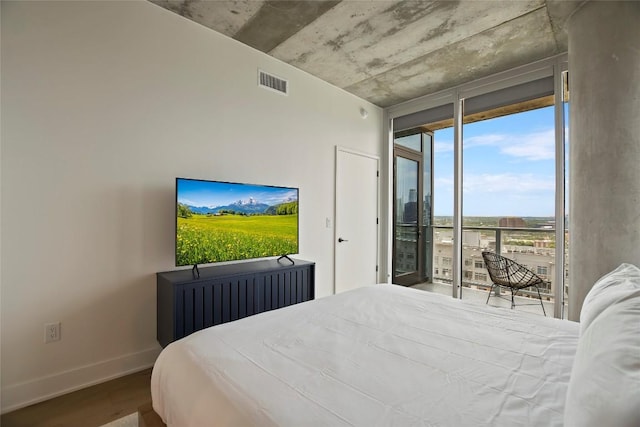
[52, 332]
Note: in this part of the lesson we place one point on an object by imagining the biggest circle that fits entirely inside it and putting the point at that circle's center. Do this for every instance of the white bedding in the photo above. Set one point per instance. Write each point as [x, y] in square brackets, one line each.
[381, 355]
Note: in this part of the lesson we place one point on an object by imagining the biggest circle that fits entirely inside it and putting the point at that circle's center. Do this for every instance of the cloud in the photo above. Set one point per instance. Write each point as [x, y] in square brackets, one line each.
[498, 195]
[441, 182]
[498, 183]
[499, 191]
[508, 183]
[485, 140]
[443, 146]
[532, 146]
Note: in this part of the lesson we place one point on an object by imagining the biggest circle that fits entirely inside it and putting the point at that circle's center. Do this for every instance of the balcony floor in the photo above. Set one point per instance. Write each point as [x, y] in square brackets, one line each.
[477, 296]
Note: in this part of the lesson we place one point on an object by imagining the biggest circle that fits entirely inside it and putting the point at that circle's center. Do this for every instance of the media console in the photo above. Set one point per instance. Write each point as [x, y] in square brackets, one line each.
[186, 304]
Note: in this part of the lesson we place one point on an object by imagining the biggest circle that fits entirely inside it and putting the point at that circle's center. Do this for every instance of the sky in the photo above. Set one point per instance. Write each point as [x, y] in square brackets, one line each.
[508, 166]
[212, 193]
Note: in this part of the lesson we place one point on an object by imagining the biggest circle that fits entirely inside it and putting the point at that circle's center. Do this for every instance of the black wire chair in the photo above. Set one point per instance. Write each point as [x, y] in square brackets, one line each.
[507, 273]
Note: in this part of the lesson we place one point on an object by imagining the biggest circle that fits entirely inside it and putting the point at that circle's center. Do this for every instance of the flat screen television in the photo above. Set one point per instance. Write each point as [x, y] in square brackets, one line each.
[225, 221]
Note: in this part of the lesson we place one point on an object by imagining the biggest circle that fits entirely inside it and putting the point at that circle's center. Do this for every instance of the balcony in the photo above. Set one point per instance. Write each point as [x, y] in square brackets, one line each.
[477, 296]
[532, 247]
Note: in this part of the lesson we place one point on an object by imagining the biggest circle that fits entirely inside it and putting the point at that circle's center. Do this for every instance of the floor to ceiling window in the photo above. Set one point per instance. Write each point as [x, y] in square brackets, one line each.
[508, 198]
[504, 191]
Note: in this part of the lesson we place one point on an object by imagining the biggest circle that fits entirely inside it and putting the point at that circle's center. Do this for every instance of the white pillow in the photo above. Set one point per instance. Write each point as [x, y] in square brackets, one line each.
[604, 389]
[618, 285]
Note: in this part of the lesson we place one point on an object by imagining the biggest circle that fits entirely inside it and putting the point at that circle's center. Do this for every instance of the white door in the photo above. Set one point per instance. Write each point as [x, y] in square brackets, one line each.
[356, 223]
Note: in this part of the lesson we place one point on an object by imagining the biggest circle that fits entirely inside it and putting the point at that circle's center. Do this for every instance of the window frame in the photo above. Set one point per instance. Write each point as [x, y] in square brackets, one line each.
[555, 67]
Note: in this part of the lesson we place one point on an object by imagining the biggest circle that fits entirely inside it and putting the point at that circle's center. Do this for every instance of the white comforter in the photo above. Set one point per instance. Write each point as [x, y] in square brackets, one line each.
[381, 355]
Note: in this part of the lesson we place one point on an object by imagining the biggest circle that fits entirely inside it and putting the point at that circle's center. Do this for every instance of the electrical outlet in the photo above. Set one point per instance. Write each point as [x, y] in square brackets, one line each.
[52, 332]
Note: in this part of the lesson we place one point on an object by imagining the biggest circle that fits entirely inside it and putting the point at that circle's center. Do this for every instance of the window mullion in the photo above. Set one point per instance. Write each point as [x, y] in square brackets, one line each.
[458, 114]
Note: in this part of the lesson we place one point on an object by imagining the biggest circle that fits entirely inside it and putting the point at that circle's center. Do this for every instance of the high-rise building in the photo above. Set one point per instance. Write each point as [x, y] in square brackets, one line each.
[512, 222]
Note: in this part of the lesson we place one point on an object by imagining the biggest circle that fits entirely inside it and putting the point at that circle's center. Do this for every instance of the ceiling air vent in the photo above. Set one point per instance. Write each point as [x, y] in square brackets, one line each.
[271, 82]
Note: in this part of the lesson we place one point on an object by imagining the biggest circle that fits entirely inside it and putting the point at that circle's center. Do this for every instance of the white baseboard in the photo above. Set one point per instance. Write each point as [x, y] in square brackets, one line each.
[17, 396]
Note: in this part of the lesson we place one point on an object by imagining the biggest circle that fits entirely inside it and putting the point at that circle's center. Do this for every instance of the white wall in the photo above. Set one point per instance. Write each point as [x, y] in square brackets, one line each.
[103, 105]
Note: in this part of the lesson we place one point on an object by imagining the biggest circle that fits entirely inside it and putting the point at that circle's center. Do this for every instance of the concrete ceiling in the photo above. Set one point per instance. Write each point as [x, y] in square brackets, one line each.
[390, 51]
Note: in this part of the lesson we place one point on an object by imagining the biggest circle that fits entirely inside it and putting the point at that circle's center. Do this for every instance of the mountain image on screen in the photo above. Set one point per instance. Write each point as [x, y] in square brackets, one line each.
[250, 206]
[220, 221]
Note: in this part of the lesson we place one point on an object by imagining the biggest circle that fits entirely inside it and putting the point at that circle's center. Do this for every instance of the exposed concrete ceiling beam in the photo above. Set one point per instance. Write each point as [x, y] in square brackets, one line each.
[277, 21]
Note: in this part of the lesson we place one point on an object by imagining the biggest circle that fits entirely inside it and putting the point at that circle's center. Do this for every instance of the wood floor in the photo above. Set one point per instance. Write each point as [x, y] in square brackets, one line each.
[90, 407]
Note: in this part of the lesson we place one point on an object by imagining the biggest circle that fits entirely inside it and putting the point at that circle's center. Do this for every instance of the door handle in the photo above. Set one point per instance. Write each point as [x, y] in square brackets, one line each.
[340, 240]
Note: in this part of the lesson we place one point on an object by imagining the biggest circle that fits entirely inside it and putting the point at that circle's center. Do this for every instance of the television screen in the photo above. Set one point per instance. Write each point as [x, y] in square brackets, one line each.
[223, 221]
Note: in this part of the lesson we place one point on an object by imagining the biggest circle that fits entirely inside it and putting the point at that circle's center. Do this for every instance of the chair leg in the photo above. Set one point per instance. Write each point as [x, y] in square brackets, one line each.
[540, 296]
[490, 290]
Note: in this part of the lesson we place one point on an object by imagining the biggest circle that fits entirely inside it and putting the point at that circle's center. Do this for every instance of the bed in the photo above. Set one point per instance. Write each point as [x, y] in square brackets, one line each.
[381, 355]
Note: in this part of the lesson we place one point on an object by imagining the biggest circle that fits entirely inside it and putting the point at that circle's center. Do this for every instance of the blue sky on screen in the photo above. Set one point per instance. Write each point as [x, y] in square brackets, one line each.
[508, 166]
[213, 194]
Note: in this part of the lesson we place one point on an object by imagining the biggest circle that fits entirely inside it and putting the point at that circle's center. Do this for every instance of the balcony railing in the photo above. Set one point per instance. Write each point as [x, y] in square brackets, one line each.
[532, 247]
